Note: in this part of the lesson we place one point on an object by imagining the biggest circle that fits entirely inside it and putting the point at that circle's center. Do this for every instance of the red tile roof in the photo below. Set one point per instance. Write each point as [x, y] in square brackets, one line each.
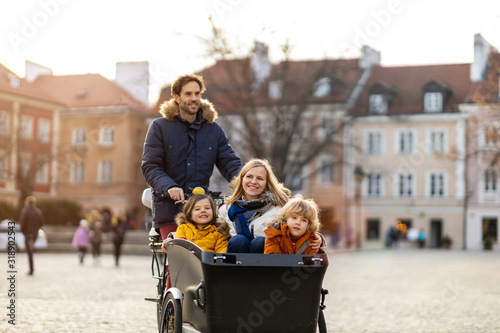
[88, 90]
[25, 88]
[409, 80]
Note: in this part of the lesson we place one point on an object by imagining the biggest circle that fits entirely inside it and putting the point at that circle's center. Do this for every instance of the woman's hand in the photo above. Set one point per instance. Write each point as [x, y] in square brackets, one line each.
[163, 245]
[316, 243]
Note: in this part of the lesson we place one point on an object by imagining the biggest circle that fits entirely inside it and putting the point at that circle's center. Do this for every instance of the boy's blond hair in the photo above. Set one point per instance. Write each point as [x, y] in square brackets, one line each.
[303, 207]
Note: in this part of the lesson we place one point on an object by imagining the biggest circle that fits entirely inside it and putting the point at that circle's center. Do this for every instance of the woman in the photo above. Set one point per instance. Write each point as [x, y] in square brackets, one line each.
[256, 199]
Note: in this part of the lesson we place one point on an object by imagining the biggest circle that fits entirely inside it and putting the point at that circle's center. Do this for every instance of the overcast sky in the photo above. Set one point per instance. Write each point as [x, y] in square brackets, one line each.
[77, 36]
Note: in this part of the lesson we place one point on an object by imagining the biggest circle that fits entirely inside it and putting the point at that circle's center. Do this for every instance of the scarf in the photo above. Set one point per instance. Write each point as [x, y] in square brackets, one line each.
[242, 213]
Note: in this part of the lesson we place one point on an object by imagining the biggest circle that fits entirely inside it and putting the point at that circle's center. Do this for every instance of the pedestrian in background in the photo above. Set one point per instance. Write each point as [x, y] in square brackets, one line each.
[31, 221]
[120, 226]
[421, 238]
[97, 236]
[81, 239]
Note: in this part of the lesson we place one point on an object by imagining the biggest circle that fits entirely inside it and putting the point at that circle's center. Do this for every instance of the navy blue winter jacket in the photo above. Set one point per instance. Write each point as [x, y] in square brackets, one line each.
[180, 154]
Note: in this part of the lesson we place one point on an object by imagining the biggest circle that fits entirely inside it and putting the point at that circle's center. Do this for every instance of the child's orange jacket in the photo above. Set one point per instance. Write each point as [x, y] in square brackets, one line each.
[278, 241]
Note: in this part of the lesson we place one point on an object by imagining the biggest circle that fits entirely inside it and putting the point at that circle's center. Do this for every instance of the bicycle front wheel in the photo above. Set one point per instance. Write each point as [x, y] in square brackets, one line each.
[171, 315]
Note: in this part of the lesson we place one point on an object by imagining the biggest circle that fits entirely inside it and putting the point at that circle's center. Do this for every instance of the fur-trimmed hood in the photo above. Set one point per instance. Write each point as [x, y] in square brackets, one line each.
[170, 109]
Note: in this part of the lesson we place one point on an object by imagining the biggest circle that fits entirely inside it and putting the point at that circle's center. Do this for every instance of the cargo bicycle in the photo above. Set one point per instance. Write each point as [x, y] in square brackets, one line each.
[235, 292]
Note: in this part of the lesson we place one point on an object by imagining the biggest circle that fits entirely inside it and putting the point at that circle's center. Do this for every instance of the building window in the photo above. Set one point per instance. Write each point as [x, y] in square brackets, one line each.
[42, 174]
[433, 102]
[437, 141]
[76, 172]
[405, 142]
[78, 137]
[265, 129]
[374, 143]
[437, 184]
[490, 181]
[405, 185]
[326, 127]
[326, 173]
[4, 124]
[275, 89]
[3, 166]
[490, 228]
[26, 127]
[43, 130]
[322, 87]
[492, 133]
[106, 136]
[373, 229]
[296, 175]
[374, 185]
[303, 131]
[378, 103]
[105, 172]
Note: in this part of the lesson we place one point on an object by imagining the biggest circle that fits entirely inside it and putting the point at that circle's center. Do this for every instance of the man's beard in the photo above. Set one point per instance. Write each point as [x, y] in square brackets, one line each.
[185, 107]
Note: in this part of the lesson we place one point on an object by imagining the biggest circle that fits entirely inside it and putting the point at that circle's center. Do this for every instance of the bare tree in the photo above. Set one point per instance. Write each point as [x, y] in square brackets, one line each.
[289, 113]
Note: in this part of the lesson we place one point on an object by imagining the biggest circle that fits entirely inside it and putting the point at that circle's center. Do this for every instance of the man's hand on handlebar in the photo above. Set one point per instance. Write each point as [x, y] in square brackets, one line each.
[176, 194]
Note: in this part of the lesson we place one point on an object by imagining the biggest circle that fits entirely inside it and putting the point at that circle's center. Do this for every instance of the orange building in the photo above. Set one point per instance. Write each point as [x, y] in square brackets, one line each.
[29, 144]
[101, 138]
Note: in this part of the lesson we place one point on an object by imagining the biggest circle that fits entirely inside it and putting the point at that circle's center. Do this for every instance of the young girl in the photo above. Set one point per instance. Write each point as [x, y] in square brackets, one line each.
[198, 223]
[81, 239]
[294, 228]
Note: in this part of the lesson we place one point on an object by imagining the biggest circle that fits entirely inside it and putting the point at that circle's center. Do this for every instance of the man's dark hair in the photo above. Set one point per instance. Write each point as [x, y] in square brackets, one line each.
[184, 79]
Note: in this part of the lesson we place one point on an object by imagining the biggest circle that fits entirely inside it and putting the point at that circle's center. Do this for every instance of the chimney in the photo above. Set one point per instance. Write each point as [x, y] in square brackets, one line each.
[261, 66]
[134, 78]
[33, 70]
[481, 51]
[369, 57]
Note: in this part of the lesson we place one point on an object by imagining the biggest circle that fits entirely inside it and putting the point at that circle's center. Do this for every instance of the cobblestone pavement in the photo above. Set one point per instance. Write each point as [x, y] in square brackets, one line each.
[413, 290]
[404, 290]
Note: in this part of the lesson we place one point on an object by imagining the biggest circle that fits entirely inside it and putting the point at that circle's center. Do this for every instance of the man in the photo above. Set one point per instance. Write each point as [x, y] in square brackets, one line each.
[31, 221]
[181, 150]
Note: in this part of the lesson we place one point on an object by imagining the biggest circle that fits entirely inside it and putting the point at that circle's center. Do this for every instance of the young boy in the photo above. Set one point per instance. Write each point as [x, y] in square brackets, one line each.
[294, 228]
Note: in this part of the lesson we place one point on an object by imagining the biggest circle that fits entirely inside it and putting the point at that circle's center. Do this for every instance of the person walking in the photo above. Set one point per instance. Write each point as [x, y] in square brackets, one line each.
[181, 149]
[119, 226]
[31, 220]
[81, 239]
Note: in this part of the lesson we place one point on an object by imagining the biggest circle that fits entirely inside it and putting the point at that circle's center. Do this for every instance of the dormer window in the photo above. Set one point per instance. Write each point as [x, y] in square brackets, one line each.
[322, 87]
[436, 96]
[433, 102]
[381, 96]
[275, 89]
[378, 103]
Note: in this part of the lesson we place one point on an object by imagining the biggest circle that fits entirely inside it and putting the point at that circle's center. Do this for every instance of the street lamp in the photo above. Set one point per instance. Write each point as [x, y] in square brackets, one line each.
[359, 175]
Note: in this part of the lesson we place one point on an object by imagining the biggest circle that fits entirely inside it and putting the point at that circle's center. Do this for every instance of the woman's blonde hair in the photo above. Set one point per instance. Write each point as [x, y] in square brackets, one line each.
[280, 193]
[303, 207]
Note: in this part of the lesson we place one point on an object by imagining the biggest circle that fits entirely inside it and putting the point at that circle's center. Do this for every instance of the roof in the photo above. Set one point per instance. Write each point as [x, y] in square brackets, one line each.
[12, 84]
[409, 82]
[88, 90]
